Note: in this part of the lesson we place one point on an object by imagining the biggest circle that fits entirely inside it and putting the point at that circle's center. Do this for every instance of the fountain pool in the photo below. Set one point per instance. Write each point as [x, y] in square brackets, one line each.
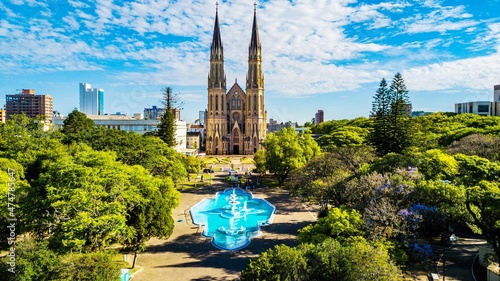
[232, 218]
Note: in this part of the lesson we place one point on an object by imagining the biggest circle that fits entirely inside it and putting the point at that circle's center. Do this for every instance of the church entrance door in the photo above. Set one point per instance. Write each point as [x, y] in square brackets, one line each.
[236, 149]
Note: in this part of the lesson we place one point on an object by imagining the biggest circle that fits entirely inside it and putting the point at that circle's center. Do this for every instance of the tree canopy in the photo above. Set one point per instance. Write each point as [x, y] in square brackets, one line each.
[287, 151]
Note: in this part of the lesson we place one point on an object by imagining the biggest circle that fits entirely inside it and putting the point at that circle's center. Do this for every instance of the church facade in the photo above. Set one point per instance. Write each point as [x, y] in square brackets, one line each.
[235, 119]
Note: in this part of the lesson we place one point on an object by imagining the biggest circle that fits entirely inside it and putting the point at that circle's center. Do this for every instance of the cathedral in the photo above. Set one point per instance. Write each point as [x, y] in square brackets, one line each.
[235, 119]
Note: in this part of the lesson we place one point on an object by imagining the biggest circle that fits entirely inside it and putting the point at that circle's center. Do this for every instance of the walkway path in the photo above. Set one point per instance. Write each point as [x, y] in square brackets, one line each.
[459, 259]
[186, 255]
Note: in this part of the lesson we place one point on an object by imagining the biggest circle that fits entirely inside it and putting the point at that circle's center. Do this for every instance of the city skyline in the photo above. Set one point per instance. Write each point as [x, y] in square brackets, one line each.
[330, 55]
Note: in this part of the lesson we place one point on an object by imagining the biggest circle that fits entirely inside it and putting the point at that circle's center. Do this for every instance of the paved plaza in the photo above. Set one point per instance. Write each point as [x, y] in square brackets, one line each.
[186, 255]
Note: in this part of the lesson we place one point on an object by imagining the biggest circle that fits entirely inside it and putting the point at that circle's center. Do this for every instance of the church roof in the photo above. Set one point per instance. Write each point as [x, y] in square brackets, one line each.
[255, 41]
[237, 88]
[216, 46]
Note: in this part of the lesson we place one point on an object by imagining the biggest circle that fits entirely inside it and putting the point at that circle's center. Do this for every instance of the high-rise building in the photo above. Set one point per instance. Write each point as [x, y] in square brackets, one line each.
[154, 112]
[30, 104]
[319, 117]
[201, 116]
[236, 119]
[157, 112]
[91, 100]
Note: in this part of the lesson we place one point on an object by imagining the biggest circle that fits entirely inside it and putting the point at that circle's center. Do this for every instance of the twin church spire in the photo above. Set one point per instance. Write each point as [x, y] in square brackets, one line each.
[235, 117]
[217, 77]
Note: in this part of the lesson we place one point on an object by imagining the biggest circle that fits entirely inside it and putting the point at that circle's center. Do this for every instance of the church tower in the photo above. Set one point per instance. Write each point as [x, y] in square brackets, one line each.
[236, 120]
[255, 112]
[216, 116]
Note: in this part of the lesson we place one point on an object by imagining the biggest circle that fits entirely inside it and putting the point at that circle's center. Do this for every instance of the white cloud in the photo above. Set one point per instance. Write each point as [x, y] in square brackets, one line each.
[72, 23]
[473, 73]
[307, 48]
[430, 25]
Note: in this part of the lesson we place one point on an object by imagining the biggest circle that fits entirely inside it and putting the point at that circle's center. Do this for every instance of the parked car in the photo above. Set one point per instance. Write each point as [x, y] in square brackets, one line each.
[232, 172]
[209, 171]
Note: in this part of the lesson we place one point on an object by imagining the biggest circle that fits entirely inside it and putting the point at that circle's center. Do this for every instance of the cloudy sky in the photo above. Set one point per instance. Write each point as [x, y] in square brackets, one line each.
[328, 55]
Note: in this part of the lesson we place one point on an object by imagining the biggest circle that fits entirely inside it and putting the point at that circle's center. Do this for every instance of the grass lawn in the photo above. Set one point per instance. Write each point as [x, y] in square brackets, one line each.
[215, 160]
[246, 160]
[209, 160]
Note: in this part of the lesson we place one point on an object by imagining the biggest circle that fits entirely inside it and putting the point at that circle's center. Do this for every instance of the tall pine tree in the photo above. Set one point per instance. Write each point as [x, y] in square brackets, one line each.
[381, 109]
[166, 128]
[400, 116]
[392, 125]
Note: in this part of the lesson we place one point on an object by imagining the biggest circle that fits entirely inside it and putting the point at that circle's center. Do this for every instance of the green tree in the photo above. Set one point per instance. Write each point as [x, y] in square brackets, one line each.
[259, 158]
[280, 263]
[98, 266]
[381, 110]
[34, 261]
[13, 185]
[19, 135]
[193, 164]
[134, 149]
[392, 127]
[473, 169]
[482, 203]
[401, 132]
[323, 178]
[435, 164]
[480, 145]
[287, 151]
[340, 223]
[167, 126]
[344, 136]
[77, 127]
[352, 260]
[90, 200]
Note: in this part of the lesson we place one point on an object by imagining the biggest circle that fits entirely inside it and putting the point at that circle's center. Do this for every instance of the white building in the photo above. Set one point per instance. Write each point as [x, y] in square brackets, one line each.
[91, 100]
[475, 107]
[482, 107]
[136, 124]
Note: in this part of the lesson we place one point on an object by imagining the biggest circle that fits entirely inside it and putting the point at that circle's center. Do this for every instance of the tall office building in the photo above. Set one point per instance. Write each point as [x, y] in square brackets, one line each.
[201, 117]
[319, 117]
[236, 119]
[30, 104]
[154, 112]
[91, 100]
[496, 93]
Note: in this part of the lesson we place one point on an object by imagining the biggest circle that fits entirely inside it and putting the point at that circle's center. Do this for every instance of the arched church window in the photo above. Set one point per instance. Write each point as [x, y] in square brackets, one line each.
[216, 102]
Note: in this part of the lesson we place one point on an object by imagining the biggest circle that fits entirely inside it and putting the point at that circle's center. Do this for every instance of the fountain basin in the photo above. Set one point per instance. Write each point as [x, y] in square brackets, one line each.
[232, 217]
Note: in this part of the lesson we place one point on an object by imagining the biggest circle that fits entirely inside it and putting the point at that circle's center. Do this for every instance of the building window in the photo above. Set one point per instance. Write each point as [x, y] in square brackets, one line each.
[483, 108]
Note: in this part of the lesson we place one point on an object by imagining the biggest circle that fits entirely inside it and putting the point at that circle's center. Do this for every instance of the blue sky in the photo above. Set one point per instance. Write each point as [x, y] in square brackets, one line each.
[328, 55]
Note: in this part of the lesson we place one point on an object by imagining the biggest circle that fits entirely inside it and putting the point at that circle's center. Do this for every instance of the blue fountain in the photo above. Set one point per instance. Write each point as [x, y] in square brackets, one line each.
[232, 218]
